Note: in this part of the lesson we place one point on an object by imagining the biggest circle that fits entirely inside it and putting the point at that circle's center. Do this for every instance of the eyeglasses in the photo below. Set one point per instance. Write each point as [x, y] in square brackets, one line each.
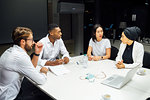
[30, 39]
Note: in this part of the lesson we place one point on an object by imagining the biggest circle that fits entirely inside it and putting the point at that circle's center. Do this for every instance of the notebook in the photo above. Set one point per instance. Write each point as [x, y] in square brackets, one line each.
[59, 69]
[118, 81]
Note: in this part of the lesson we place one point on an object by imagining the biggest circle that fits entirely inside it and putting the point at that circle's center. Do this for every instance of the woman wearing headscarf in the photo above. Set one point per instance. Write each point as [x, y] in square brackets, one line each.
[100, 47]
[130, 52]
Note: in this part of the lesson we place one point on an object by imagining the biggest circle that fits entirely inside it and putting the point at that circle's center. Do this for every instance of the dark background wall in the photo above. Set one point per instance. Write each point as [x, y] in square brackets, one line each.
[34, 14]
[27, 13]
[107, 12]
[114, 12]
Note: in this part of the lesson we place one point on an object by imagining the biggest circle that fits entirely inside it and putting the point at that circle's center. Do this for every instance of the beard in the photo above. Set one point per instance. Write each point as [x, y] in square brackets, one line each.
[28, 48]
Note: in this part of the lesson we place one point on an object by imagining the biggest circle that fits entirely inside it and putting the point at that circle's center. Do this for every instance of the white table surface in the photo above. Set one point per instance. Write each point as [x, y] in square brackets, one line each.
[71, 87]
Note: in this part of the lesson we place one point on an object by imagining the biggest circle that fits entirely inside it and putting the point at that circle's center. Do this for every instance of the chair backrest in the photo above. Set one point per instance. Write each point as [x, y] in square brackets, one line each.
[146, 60]
[110, 27]
[114, 52]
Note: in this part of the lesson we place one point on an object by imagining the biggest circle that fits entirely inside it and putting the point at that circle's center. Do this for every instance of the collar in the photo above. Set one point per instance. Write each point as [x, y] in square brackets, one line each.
[19, 48]
[130, 45]
[48, 41]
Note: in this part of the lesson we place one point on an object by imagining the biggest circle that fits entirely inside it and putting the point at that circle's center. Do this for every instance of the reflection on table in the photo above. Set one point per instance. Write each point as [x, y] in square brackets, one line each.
[73, 86]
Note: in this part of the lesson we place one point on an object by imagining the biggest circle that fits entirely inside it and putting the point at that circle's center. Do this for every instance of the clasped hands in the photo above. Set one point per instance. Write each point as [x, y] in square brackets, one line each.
[61, 61]
[95, 58]
[120, 64]
[58, 62]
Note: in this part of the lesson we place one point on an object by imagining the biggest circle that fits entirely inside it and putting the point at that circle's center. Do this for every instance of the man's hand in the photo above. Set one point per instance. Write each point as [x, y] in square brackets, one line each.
[38, 47]
[58, 61]
[44, 70]
[66, 60]
[54, 63]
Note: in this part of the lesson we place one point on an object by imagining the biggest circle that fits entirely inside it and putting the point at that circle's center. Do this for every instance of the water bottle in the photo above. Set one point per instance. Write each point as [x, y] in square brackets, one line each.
[85, 61]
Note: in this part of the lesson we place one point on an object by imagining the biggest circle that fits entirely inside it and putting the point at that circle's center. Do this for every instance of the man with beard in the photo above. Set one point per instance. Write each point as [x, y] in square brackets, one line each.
[15, 63]
[52, 46]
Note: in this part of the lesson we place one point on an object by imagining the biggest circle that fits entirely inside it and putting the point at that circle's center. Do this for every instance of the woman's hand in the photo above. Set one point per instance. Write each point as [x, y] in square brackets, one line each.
[96, 58]
[90, 58]
[120, 64]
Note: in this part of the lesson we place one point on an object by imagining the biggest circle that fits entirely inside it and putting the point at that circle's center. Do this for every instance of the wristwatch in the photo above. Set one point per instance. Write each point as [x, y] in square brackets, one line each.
[36, 54]
[101, 57]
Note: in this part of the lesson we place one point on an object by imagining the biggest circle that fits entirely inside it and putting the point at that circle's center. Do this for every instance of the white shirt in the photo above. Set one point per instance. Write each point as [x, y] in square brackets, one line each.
[50, 52]
[14, 65]
[137, 54]
[99, 48]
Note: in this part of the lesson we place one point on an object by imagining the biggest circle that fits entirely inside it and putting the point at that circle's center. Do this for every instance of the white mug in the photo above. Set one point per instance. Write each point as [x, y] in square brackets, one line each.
[141, 71]
[106, 97]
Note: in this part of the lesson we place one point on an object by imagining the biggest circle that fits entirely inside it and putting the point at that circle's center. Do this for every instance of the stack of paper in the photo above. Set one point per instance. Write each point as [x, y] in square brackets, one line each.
[59, 69]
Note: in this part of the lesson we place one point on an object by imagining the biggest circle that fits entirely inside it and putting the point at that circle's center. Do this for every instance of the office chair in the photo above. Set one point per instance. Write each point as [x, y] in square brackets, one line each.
[148, 98]
[146, 60]
[109, 31]
[114, 52]
[109, 27]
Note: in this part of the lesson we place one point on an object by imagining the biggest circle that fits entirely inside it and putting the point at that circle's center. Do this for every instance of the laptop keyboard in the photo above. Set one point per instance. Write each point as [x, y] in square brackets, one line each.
[116, 81]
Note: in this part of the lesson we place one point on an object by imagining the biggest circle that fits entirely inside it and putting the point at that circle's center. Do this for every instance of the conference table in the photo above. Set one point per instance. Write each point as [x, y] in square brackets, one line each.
[74, 86]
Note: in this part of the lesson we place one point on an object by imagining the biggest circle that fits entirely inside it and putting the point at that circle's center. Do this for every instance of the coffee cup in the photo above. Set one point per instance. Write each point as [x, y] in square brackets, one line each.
[141, 71]
[106, 97]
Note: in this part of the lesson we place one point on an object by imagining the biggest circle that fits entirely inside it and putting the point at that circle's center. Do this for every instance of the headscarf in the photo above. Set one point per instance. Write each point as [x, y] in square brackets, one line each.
[132, 33]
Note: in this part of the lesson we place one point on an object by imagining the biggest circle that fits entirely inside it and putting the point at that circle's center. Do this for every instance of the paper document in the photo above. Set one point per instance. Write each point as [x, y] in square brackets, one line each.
[59, 69]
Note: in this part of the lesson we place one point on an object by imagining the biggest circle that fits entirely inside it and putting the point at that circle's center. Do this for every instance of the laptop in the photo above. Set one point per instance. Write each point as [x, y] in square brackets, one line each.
[118, 81]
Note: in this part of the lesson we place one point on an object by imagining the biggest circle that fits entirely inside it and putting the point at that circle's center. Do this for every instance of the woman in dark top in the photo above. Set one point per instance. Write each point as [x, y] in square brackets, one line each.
[130, 52]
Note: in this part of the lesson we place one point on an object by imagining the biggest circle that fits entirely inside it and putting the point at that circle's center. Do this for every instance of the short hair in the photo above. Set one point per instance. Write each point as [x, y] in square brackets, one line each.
[20, 33]
[94, 31]
[51, 27]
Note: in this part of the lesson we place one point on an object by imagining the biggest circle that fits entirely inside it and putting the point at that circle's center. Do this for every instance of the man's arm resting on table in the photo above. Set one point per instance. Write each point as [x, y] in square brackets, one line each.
[54, 63]
[66, 60]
